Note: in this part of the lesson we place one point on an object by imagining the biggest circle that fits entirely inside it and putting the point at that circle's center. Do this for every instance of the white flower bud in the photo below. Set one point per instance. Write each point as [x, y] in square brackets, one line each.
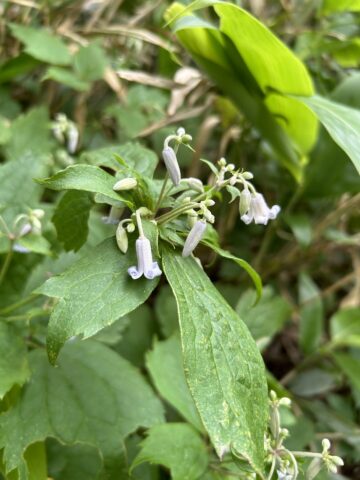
[222, 162]
[209, 216]
[247, 175]
[230, 167]
[195, 184]
[326, 445]
[121, 238]
[338, 461]
[209, 202]
[125, 184]
[130, 228]
[38, 213]
[194, 237]
[245, 200]
[73, 138]
[180, 131]
[285, 401]
[172, 165]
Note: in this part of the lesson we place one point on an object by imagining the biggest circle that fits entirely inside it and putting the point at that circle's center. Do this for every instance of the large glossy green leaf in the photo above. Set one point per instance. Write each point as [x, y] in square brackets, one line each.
[177, 446]
[93, 293]
[255, 69]
[71, 219]
[94, 397]
[332, 6]
[341, 122]
[87, 178]
[165, 364]
[14, 369]
[223, 366]
[42, 45]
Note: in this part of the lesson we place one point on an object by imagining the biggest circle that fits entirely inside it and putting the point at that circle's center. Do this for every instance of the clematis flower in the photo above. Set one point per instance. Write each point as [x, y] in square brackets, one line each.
[146, 266]
[259, 211]
[194, 237]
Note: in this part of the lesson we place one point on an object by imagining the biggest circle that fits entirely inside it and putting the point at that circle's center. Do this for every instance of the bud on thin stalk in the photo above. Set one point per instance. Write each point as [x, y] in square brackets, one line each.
[172, 165]
[121, 238]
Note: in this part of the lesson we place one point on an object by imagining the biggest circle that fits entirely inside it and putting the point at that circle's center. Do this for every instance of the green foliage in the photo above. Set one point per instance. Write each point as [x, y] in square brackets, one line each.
[14, 369]
[93, 293]
[63, 403]
[71, 219]
[174, 381]
[178, 447]
[229, 393]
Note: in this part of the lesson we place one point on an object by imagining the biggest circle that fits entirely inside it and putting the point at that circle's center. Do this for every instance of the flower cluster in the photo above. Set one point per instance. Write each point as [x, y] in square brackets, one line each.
[191, 203]
[23, 225]
[66, 132]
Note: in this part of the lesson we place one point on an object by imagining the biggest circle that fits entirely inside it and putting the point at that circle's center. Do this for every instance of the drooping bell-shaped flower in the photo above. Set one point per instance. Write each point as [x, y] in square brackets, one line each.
[194, 237]
[258, 210]
[172, 165]
[146, 266]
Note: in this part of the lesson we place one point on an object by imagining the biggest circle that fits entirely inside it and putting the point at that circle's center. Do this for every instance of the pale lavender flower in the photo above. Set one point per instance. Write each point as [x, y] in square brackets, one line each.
[194, 237]
[258, 211]
[172, 165]
[19, 248]
[146, 266]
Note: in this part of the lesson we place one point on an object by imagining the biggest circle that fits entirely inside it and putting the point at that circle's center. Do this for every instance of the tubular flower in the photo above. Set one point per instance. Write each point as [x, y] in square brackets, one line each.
[194, 237]
[259, 211]
[146, 266]
[172, 165]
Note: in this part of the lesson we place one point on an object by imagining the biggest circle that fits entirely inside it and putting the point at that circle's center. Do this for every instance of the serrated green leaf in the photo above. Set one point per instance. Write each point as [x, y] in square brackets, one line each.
[93, 293]
[42, 45]
[87, 178]
[66, 77]
[71, 219]
[341, 122]
[93, 397]
[311, 314]
[231, 392]
[345, 327]
[14, 369]
[255, 277]
[176, 446]
[165, 364]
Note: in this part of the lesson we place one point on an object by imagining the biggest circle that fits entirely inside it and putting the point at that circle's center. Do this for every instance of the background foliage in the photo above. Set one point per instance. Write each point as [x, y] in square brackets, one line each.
[120, 399]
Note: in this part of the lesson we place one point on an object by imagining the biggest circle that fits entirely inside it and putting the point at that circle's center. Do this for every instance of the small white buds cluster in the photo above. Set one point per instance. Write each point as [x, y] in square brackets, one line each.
[204, 210]
[65, 131]
[125, 184]
[332, 462]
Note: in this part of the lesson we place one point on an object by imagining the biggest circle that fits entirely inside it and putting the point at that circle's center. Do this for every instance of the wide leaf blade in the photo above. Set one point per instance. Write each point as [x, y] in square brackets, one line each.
[223, 366]
[93, 293]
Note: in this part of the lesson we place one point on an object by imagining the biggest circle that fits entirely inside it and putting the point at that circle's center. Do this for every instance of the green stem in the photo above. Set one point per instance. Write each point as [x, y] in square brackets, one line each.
[167, 217]
[19, 304]
[6, 263]
[162, 191]
[139, 224]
